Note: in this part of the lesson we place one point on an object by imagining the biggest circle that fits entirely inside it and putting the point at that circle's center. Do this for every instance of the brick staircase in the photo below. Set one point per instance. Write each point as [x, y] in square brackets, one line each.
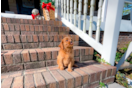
[28, 57]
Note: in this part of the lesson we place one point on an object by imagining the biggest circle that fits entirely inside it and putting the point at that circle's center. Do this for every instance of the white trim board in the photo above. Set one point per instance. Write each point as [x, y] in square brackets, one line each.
[21, 16]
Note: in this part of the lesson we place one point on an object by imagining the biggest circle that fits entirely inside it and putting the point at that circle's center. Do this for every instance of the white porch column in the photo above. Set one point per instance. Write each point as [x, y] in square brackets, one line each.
[111, 31]
[104, 10]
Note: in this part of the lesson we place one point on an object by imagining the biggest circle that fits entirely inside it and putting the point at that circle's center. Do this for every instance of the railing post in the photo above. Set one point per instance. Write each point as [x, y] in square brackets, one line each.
[75, 6]
[56, 10]
[125, 56]
[65, 9]
[59, 9]
[71, 10]
[62, 7]
[104, 10]
[91, 17]
[99, 21]
[132, 17]
[80, 7]
[131, 4]
[112, 28]
[68, 10]
[85, 15]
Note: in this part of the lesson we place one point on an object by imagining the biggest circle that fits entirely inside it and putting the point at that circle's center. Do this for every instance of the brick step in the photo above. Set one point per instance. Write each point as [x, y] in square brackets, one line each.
[33, 41]
[29, 33]
[13, 60]
[30, 21]
[88, 75]
[31, 29]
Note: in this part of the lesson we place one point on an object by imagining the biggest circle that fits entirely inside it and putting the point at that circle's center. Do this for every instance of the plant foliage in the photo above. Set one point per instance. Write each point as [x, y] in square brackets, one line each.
[100, 60]
[47, 1]
[120, 53]
[121, 79]
[102, 84]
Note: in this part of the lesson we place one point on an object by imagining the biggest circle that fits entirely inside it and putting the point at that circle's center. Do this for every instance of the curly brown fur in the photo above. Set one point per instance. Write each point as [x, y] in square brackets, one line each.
[65, 56]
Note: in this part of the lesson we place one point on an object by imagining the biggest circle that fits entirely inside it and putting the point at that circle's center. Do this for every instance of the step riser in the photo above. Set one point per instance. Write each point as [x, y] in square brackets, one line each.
[30, 21]
[35, 58]
[33, 41]
[32, 33]
[32, 45]
[31, 28]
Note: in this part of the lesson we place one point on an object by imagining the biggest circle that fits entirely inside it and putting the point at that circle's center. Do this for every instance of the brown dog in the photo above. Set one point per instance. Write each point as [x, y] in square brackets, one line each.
[65, 56]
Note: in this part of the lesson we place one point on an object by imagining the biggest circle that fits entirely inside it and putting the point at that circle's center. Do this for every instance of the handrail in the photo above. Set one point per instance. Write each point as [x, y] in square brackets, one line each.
[112, 24]
[125, 56]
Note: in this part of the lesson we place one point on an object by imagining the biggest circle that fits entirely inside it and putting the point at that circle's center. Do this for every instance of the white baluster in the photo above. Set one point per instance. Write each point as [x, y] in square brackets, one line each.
[64, 8]
[85, 15]
[68, 10]
[56, 6]
[80, 7]
[59, 3]
[60, 10]
[71, 10]
[75, 6]
[99, 20]
[91, 17]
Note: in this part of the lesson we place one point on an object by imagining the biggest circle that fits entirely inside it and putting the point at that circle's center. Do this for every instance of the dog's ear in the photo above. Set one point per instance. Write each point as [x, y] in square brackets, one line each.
[61, 45]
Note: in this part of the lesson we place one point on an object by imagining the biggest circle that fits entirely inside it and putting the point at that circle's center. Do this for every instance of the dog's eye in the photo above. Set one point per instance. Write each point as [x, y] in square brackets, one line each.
[66, 40]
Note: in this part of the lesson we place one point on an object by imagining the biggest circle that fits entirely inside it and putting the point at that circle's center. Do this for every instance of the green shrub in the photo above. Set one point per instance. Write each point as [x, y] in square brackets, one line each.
[120, 53]
[102, 84]
[100, 60]
[47, 1]
[121, 79]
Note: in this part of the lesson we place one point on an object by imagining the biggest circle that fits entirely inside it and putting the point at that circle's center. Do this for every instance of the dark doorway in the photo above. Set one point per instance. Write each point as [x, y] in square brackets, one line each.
[26, 6]
[4, 5]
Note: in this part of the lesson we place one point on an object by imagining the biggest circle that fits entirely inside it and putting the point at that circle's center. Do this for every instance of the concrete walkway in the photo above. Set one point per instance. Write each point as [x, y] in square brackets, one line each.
[115, 85]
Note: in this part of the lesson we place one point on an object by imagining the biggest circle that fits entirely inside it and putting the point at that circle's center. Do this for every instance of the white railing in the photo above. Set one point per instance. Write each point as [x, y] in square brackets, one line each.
[112, 22]
[125, 56]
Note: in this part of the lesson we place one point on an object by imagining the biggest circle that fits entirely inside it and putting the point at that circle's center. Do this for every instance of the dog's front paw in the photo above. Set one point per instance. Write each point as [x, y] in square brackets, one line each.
[70, 70]
[61, 68]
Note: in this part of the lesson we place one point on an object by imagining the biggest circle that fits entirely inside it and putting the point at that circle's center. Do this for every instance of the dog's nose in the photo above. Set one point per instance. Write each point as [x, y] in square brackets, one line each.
[71, 42]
